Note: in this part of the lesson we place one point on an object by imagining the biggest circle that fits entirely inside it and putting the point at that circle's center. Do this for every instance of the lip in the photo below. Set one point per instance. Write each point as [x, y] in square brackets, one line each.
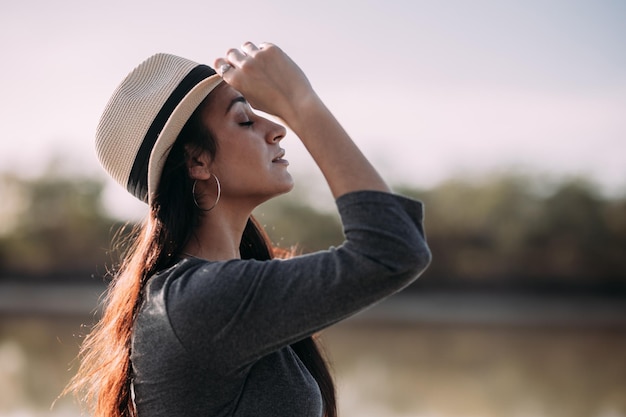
[279, 158]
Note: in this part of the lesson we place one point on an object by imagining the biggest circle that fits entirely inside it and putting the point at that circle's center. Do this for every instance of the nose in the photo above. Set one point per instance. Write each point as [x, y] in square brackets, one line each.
[275, 132]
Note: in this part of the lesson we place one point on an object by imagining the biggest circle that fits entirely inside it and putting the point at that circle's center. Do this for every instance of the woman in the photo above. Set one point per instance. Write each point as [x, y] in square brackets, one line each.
[200, 320]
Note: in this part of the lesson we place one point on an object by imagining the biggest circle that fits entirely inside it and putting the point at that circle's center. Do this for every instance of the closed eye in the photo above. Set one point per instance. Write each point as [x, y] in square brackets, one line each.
[248, 123]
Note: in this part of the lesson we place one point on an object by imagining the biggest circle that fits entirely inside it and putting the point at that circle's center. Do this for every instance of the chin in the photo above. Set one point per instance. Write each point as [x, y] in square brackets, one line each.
[288, 187]
[284, 188]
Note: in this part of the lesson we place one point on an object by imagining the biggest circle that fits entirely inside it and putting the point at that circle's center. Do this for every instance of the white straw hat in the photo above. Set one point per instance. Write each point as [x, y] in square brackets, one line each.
[144, 117]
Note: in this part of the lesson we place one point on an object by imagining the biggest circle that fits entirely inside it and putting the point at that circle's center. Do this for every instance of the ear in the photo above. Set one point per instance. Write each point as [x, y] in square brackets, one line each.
[198, 164]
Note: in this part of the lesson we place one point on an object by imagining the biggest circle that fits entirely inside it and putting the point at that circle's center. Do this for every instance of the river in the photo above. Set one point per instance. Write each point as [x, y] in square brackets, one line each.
[427, 355]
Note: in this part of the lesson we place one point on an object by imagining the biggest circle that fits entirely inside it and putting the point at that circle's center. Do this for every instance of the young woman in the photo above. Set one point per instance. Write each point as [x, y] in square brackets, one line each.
[200, 320]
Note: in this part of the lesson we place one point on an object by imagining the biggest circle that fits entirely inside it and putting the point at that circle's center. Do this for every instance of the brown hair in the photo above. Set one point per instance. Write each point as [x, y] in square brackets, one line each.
[103, 378]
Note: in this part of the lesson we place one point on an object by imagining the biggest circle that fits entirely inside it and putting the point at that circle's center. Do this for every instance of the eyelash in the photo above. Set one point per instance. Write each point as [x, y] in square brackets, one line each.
[248, 123]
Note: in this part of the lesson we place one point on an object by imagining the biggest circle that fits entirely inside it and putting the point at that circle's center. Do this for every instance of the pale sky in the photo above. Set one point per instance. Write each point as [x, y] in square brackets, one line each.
[428, 89]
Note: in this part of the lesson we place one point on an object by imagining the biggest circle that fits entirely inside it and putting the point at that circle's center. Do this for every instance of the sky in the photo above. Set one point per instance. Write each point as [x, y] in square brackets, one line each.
[428, 89]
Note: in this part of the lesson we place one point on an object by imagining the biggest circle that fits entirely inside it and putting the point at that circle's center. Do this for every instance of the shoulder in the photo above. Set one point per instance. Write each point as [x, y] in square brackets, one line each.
[197, 287]
[183, 274]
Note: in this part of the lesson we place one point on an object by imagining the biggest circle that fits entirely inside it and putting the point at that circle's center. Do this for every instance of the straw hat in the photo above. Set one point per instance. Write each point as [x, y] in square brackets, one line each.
[144, 117]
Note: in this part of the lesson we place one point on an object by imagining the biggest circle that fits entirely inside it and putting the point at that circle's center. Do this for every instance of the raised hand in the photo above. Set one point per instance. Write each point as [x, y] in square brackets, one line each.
[273, 83]
[267, 77]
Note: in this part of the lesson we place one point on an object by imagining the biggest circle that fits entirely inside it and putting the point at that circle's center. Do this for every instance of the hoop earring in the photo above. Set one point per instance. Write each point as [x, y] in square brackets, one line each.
[219, 193]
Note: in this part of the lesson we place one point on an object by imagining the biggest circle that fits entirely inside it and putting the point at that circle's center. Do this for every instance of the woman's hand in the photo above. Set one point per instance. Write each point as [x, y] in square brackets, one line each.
[267, 78]
[273, 83]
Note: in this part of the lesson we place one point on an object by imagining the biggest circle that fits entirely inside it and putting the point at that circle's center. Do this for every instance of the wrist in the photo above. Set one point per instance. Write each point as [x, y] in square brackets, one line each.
[303, 107]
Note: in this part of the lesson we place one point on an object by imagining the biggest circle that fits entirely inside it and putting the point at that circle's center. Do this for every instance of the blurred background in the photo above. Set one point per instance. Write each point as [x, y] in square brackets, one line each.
[506, 118]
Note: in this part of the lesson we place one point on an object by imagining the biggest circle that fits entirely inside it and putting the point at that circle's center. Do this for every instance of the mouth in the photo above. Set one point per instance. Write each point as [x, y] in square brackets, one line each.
[279, 159]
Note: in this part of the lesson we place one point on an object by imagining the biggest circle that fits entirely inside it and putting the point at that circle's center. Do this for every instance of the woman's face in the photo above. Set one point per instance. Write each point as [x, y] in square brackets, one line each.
[249, 160]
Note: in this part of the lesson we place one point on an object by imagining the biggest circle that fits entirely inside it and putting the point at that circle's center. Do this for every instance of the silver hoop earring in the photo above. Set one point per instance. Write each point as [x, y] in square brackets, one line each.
[219, 194]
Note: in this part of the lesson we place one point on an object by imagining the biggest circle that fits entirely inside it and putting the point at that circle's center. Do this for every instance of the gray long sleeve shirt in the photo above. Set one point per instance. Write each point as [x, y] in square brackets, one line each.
[212, 338]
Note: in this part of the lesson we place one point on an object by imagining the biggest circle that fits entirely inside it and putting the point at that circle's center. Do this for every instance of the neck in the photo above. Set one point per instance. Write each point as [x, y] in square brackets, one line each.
[219, 233]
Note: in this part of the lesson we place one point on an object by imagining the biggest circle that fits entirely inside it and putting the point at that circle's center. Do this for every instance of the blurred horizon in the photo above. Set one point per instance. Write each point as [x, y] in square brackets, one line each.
[505, 231]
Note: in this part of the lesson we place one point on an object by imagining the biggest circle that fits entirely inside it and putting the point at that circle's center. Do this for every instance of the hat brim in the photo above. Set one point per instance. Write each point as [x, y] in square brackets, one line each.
[173, 127]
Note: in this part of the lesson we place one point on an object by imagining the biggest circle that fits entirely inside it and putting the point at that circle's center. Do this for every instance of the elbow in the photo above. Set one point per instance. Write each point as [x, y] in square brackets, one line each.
[417, 259]
[398, 260]
[411, 261]
[423, 260]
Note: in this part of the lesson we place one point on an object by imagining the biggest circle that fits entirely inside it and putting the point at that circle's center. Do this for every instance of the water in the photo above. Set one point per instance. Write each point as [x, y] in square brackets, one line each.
[427, 357]
[479, 370]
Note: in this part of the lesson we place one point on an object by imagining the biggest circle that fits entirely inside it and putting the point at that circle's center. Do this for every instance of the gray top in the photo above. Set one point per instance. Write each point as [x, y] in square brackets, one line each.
[213, 338]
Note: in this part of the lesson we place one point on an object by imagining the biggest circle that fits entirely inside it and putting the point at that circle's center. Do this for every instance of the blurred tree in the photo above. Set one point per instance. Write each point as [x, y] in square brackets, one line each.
[292, 223]
[578, 235]
[504, 231]
[475, 229]
[58, 228]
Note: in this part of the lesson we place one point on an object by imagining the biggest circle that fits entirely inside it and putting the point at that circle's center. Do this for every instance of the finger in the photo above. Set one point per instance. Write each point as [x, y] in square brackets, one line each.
[236, 57]
[249, 48]
[222, 66]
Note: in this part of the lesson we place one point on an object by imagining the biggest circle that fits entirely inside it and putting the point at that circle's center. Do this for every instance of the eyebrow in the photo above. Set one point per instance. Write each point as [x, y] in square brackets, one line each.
[238, 99]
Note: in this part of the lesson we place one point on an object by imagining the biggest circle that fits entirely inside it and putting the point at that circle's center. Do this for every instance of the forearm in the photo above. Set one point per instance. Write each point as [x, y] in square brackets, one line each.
[344, 166]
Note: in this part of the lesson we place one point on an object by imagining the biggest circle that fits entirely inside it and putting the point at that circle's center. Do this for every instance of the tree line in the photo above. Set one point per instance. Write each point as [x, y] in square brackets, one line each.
[505, 232]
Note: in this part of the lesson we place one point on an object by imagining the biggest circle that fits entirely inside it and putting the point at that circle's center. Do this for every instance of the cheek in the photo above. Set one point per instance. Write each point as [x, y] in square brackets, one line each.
[241, 151]
[237, 165]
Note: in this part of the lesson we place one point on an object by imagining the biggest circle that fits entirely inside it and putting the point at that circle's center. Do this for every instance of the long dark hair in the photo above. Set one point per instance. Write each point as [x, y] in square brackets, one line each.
[103, 378]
